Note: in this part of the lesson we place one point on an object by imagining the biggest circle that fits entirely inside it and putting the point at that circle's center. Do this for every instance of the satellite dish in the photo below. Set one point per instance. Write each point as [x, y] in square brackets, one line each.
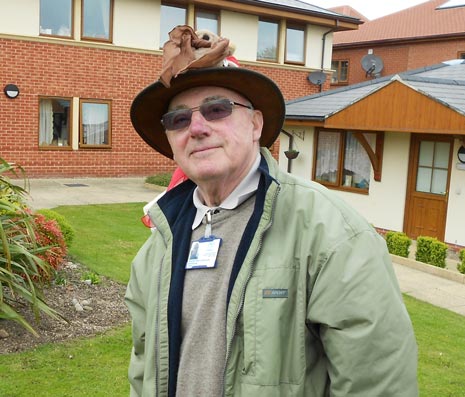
[317, 78]
[372, 65]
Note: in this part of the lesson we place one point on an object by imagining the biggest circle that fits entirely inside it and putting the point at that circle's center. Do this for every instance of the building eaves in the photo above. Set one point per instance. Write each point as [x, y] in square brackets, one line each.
[301, 8]
[321, 106]
[349, 11]
[448, 94]
[444, 83]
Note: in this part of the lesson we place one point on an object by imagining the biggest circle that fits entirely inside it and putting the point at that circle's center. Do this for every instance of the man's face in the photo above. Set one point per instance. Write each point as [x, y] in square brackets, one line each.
[219, 150]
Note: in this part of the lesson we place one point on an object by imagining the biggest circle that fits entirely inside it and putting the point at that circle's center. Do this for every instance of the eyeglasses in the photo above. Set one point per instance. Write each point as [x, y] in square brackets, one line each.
[211, 110]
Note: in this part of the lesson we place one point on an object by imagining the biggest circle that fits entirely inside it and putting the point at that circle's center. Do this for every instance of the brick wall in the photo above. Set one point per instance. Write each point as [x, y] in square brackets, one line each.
[400, 57]
[43, 69]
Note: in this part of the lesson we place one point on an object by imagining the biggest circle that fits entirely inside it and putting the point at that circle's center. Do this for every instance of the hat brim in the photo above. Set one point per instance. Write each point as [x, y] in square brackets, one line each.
[152, 102]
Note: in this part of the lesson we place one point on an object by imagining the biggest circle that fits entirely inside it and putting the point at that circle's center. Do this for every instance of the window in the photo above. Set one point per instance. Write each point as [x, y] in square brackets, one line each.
[207, 20]
[341, 161]
[54, 122]
[170, 17]
[341, 72]
[461, 55]
[97, 17]
[56, 17]
[267, 49]
[95, 123]
[433, 167]
[295, 44]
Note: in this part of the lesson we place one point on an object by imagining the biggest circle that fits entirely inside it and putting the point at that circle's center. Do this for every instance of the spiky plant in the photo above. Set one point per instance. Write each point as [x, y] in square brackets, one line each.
[20, 264]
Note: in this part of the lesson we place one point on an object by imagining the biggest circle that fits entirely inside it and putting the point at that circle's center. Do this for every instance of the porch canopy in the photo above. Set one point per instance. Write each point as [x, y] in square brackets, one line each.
[427, 100]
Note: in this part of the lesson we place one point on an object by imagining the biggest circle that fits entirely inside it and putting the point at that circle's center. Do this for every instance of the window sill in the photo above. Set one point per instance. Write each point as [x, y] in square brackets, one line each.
[94, 147]
[50, 147]
[345, 188]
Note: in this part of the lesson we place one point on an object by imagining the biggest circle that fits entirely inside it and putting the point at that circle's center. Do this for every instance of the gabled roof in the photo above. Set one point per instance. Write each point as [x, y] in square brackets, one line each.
[425, 20]
[443, 83]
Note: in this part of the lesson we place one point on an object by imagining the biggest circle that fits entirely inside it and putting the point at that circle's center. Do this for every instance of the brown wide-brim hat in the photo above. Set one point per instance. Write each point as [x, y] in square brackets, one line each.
[152, 102]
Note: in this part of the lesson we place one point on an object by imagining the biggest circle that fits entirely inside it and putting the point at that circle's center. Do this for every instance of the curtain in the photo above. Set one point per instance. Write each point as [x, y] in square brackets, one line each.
[105, 15]
[327, 156]
[357, 162]
[46, 122]
[94, 123]
[97, 18]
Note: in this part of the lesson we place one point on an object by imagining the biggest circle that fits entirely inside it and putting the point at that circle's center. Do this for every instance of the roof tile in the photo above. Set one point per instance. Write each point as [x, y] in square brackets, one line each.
[422, 20]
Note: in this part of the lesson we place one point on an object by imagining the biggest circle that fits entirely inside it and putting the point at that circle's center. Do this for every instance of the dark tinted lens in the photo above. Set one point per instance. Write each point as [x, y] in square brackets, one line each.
[215, 110]
[177, 119]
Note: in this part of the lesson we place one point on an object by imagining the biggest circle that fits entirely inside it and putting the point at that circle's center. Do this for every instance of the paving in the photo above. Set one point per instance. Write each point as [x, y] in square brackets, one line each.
[441, 287]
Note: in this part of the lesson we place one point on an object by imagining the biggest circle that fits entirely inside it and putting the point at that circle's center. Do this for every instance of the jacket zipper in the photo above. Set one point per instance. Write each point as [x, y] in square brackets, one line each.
[241, 305]
[157, 326]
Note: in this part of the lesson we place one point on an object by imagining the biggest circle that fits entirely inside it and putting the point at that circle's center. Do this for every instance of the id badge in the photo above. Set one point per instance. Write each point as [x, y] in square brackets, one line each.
[203, 253]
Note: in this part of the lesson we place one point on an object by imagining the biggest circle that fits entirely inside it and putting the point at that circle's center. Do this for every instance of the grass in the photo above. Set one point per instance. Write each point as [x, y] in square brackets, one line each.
[107, 238]
[94, 367]
[441, 349]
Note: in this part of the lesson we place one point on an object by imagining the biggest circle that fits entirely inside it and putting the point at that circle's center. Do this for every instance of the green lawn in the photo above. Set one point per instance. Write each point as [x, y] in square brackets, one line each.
[107, 238]
[94, 367]
[440, 336]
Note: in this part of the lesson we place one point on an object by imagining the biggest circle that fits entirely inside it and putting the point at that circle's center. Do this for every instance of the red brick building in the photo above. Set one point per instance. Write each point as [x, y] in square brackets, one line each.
[426, 34]
[77, 71]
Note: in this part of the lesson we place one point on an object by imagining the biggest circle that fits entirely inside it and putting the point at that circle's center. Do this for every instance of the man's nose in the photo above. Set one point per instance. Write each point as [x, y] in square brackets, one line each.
[199, 125]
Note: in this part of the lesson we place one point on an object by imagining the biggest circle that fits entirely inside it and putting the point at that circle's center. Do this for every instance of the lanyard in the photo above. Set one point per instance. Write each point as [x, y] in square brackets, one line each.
[208, 227]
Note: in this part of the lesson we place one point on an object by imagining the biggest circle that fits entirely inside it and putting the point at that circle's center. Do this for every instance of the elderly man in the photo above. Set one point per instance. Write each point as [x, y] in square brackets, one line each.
[290, 292]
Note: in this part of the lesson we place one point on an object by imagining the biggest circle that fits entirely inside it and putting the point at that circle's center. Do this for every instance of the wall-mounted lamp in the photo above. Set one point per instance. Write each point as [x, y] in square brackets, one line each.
[461, 154]
[11, 91]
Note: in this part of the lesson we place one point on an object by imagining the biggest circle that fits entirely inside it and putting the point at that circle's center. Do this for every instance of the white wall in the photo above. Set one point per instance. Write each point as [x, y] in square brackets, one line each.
[455, 226]
[136, 24]
[242, 31]
[315, 45]
[385, 204]
[19, 17]
[303, 142]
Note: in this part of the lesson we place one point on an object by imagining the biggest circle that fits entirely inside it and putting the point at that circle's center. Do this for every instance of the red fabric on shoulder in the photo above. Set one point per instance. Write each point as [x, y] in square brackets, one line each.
[178, 177]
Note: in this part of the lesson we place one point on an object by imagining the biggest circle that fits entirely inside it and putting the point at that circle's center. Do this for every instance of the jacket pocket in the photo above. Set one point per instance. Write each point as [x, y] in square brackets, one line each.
[274, 327]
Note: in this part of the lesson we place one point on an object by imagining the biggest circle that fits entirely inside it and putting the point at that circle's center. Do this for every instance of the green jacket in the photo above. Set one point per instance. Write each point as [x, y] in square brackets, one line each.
[314, 305]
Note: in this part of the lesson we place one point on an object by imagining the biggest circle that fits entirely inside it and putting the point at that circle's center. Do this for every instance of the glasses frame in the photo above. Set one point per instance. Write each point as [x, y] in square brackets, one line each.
[203, 111]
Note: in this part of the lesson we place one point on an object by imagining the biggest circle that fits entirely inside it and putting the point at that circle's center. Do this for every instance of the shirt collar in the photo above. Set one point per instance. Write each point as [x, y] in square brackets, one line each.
[246, 188]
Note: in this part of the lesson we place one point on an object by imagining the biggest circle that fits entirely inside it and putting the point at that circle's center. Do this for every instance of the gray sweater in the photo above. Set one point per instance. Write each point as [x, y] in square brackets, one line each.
[203, 349]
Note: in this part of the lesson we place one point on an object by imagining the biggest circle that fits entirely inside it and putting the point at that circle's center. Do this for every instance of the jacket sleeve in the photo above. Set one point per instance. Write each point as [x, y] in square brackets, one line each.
[135, 303]
[364, 327]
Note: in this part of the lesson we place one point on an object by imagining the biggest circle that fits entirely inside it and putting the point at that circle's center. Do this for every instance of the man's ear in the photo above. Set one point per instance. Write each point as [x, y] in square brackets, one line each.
[257, 122]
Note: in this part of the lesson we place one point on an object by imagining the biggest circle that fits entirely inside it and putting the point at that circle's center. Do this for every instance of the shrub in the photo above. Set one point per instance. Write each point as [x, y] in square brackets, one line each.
[48, 235]
[398, 243]
[432, 251]
[162, 179]
[438, 254]
[66, 229]
[20, 263]
[423, 252]
[461, 265]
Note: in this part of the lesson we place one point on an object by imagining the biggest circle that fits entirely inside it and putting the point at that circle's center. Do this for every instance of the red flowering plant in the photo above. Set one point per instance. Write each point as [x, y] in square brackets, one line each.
[48, 235]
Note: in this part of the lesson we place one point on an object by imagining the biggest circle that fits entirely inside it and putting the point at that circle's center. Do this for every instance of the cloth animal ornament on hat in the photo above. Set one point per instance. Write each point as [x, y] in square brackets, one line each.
[179, 52]
[204, 34]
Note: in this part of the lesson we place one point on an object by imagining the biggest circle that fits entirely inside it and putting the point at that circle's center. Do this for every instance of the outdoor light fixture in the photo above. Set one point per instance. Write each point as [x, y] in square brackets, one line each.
[461, 154]
[11, 91]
